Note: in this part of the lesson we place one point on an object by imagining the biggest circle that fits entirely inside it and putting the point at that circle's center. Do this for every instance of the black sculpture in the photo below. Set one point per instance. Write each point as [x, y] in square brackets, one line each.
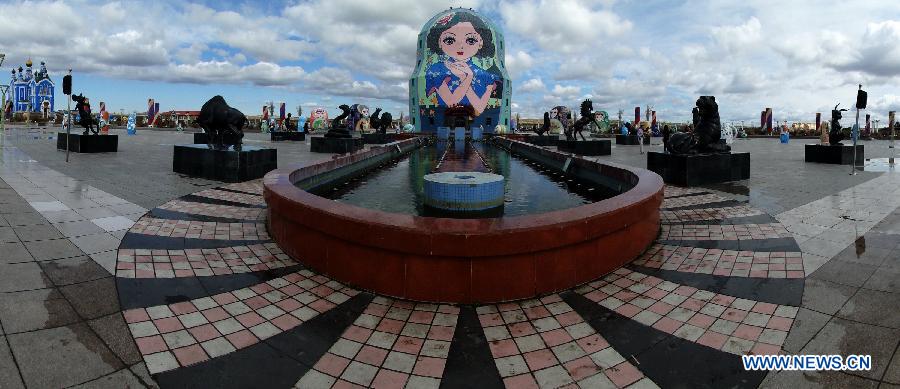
[83, 105]
[386, 121]
[223, 124]
[338, 129]
[587, 117]
[707, 135]
[835, 135]
[374, 119]
[666, 134]
[545, 128]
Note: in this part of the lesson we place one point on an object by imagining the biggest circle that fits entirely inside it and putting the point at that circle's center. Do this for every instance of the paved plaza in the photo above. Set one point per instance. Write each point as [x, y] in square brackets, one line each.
[116, 272]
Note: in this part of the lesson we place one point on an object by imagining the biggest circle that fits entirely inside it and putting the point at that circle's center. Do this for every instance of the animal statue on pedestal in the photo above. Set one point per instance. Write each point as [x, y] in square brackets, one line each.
[223, 124]
[707, 135]
[587, 117]
[83, 105]
[374, 119]
[835, 135]
[545, 127]
[338, 129]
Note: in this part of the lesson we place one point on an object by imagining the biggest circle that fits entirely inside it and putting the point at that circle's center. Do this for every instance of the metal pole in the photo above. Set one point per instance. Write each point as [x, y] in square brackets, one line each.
[68, 120]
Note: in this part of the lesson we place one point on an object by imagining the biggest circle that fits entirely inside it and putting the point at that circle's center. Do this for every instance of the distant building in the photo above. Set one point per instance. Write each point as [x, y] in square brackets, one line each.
[32, 92]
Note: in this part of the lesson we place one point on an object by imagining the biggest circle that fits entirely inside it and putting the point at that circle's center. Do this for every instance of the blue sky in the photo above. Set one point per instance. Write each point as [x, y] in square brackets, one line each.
[798, 57]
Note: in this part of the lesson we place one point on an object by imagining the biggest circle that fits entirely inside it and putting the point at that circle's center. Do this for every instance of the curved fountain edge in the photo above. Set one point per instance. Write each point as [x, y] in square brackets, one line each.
[463, 260]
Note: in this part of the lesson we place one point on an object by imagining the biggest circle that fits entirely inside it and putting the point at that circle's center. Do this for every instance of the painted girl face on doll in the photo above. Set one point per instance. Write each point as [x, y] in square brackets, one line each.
[461, 41]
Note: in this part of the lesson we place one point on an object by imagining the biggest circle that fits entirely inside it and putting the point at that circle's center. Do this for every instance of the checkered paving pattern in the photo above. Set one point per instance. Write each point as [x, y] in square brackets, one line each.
[190, 332]
[672, 191]
[734, 325]
[393, 344]
[724, 232]
[200, 230]
[776, 264]
[215, 210]
[705, 214]
[676, 202]
[142, 263]
[242, 198]
[254, 187]
[543, 343]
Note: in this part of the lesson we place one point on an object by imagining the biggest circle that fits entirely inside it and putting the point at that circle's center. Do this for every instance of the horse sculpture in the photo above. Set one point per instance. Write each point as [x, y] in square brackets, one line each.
[222, 124]
[339, 130]
[835, 135]
[587, 117]
[707, 135]
[544, 128]
[83, 105]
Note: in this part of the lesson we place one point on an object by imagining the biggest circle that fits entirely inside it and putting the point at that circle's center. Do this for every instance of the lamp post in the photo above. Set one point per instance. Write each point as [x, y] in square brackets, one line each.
[4, 89]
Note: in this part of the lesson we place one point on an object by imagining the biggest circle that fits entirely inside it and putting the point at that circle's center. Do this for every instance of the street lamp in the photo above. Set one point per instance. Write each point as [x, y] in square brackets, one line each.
[4, 89]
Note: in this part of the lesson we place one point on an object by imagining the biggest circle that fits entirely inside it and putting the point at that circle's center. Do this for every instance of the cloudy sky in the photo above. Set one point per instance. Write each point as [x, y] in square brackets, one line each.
[798, 57]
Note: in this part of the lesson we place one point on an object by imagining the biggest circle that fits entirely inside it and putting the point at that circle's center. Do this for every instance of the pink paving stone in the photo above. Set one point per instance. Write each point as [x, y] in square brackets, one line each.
[741, 266]
[288, 304]
[733, 314]
[623, 374]
[250, 319]
[162, 266]
[190, 355]
[322, 291]
[490, 319]
[701, 320]
[321, 305]
[371, 355]
[596, 296]
[503, 348]
[387, 379]
[204, 332]
[291, 290]
[421, 317]
[660, 308]
[441, 333]
[765, 349]
[780, 323]
[592, 343]
[795, 274]
[693, 304]
[556, 337]
[151, 344]
[748, 332]
[722, 300]
[390, 326]
[623, 282]
[503, 307]
[581, 368]
[242, 339]
[184, 273]
[402, 304]
[540, 359]
[286, 322]
[125, 266]
[429, 367]
[656, 293]
[294, 277]
[357, 333]
[712, 339]
[522, 381]
[667, 324]
[256, 302]
[759, 273]
[625, 295]
[628, 310]
[536, 312]
[408, 345]
[144, 274]
[376, 310]
[135, 315]
[685, 290]
[550, 299]
[332, 365]
[776, 266]
[215, 314]
[449, 309]
[767, 308]
[651, 281]
[721, 271]
[225, 298]
[169, 324]
[521, 329]
[569, 318]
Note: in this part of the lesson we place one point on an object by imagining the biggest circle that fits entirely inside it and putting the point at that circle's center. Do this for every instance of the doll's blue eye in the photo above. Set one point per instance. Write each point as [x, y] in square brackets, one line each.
[471, 41]
[449, 40]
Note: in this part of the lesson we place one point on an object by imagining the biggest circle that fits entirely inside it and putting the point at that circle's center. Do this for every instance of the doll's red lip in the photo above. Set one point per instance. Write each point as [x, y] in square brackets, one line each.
[459, 53]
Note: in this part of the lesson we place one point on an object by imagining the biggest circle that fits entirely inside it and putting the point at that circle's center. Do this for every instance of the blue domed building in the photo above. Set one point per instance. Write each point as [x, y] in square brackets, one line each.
[460, 79]
[30, 91]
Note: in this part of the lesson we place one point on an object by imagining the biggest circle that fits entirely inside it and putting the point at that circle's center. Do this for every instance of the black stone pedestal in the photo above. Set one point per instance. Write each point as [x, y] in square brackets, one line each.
[79, 143]
[202, 138]
[837, 154]
[546, 140]
[287, 135]
[224, 165]
[699, 169]
[630, 140]
[585, 147]
[321, 144]
[376, 138]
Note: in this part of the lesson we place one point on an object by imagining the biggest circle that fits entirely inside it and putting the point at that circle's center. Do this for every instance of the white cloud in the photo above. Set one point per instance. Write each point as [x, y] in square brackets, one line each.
[741, 37]
[566, 26]
[531, 85]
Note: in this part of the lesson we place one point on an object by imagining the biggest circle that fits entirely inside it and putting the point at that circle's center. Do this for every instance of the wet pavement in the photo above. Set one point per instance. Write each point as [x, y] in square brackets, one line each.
[801, 257]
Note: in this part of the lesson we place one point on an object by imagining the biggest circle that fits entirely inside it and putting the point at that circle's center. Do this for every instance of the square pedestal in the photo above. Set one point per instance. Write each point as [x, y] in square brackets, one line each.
[321, 144]
[202, 138]
[699, 169]
[376, 138]
[287, 135]
[79, 143]
[546, 140]
[224, 165]
[630, 140]
[585, 147]
[837, 154]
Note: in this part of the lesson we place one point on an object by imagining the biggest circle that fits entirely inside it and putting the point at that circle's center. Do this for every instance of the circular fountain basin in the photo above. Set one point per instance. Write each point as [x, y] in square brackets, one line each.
[464, 260]
[464, 191]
